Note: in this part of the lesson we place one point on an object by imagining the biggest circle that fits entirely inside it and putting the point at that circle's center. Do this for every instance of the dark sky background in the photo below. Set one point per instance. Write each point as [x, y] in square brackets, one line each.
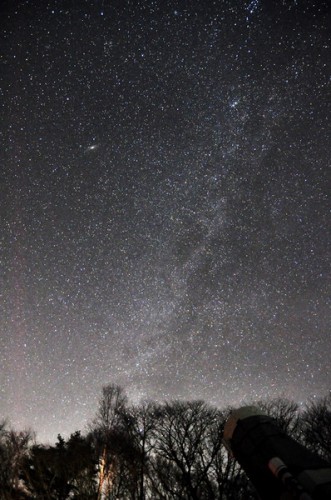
[163, 204]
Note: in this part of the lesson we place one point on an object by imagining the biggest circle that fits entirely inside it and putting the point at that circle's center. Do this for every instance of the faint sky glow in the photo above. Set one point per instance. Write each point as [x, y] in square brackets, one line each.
[163, 204]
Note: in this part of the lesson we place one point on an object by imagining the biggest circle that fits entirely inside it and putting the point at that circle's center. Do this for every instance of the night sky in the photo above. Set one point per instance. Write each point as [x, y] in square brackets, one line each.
[163, 204]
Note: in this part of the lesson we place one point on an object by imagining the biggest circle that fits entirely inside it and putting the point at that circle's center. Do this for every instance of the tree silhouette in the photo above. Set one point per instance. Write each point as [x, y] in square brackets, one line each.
[316, 427]
[14, 449]
[188, 437]
[153, 451]
[141, 422]
[63, 470]
[117, 471]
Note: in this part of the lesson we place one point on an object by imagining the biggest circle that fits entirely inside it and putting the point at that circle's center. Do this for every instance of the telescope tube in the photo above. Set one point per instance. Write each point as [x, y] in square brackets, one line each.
[279, 467]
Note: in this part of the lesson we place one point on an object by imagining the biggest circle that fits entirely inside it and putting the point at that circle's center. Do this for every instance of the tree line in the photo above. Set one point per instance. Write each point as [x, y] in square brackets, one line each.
[170, 450]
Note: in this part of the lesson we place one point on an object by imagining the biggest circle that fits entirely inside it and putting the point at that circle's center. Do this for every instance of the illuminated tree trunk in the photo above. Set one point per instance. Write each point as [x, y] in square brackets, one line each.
[102, 472]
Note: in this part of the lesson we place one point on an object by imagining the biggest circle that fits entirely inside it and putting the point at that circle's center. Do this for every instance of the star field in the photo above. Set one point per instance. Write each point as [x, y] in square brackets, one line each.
[163, 204]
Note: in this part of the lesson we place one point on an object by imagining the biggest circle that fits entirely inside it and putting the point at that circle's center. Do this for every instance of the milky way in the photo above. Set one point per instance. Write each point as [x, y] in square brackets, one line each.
[163, 204]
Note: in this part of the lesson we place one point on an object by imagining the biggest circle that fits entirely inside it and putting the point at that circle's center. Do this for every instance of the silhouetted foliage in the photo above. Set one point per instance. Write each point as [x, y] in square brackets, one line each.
[68, 468]
[187, 439]
[14, 449]
[118, 457]
[163, 451]
[140, 425]
[316, 427]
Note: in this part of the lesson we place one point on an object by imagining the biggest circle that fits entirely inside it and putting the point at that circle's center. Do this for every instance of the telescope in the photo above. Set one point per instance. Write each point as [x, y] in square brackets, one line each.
[279, 467]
